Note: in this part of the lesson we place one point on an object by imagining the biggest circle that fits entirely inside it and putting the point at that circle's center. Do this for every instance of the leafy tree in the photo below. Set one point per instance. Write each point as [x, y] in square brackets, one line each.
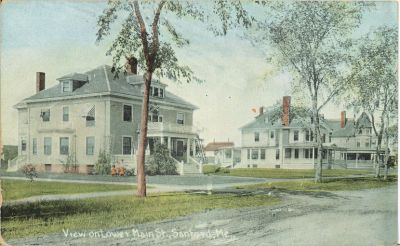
[160, 162]
[152, 45]
[30, 171]
[375, 85]
[312, 41]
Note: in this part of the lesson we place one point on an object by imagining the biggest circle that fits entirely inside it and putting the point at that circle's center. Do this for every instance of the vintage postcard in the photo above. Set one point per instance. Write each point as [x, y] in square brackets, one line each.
[209, 122]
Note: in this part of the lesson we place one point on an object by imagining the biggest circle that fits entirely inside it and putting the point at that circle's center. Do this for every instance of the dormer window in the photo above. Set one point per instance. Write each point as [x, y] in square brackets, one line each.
[156, 92]
[66, 86]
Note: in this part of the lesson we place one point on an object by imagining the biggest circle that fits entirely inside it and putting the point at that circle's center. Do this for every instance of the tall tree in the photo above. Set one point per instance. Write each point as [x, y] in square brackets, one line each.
[375, 86]
[311, 40]
[152, 44]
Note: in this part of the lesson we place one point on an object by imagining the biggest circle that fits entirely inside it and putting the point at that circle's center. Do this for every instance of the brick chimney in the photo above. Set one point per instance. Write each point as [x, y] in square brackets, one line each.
[261, 110]
[131, 65]
[285, 110]
[40, 81]
[343, 119]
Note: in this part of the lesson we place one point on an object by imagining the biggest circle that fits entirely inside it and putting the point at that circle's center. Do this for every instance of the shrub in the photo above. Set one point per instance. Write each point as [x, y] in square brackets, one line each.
[103, 164]
[70, 164]
[160, 162]
[130, 172]
[30, 171]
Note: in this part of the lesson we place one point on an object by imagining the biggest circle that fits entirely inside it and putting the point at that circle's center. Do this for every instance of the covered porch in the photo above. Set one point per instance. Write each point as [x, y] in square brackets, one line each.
[181, 148]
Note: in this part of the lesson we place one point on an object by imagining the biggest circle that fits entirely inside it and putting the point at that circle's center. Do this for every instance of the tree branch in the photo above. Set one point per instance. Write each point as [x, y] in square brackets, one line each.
[143, 33]
[155, 41]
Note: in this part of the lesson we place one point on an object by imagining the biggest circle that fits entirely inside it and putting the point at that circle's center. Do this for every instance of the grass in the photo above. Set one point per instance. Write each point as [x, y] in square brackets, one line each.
[289, 173]
[17, 189]
[34, 219]
[328, 185]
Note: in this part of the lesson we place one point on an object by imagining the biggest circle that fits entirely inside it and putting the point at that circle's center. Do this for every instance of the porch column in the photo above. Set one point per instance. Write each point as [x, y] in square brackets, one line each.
[188, 150]
[169, 145]
[162, 140]
[194, 147]
[356, 160]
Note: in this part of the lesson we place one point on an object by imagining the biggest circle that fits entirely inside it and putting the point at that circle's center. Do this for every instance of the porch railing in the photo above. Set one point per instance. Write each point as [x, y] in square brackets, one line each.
[169, 127]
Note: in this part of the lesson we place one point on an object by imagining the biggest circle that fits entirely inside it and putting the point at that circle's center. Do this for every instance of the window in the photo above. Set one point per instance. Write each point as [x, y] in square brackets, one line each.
[160, 118]
[308, 153]
[127, 113]
[296, 153]
[126, 145]
[45, 114]
[47, 146]
[272, 134]
[65, 114]
[277, 152]
[64, 146]
[367, 144]
[23, 145]
[47, 167]
[330, 137]
[34, 146]
[296, 135]
[248, 154]
[307, 135]
[66, 86]
[255, 165]
[180, 118]
[262, 154]
[89, 145]
[228, 153]
[254, 154]
[358, 144]
[91, 117]
[155, 92]
[256, 137]
[324, 138]
[288, 153]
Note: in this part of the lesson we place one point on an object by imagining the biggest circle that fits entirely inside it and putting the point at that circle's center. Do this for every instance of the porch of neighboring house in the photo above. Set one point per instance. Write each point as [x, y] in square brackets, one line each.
[361, 159]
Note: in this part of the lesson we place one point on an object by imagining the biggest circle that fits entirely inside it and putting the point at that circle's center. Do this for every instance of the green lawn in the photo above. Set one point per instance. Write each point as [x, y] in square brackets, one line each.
[17, 189]
[35, 219]
[328, 185]
[288, 173]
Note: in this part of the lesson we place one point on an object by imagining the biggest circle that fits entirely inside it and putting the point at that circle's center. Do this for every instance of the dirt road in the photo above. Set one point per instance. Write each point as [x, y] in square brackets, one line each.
[367, 217]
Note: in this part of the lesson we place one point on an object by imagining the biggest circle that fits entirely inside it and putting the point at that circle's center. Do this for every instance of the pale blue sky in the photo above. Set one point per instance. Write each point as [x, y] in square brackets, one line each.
[58, 37]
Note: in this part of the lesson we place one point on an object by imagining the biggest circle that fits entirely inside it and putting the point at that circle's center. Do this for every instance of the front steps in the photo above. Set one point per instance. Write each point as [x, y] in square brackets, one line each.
[190, 169]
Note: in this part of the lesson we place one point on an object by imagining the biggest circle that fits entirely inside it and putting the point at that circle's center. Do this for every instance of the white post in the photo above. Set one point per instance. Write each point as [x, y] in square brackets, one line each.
[188, 150]
[162, 140]
[194, 148]
[356, 160]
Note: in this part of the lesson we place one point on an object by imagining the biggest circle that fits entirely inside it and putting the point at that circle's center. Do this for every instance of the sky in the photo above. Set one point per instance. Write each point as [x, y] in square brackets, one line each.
[58, 37]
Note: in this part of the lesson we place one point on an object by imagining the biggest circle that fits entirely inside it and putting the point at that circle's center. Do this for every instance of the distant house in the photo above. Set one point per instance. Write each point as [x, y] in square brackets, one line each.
[289, 143]
[93, 111]
[212, 148]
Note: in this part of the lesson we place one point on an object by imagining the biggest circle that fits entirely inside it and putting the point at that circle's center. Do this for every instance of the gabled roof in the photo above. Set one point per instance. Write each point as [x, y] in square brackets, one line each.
[101, 80]
[217, 145]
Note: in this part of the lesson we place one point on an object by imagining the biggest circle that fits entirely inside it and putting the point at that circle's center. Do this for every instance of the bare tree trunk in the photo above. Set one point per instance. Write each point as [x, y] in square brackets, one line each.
[385, 174]
[317, 130]
[141, 178]
[377, 158]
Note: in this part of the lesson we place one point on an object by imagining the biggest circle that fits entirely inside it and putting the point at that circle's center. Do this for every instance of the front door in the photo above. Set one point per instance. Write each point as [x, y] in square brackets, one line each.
[179, 148]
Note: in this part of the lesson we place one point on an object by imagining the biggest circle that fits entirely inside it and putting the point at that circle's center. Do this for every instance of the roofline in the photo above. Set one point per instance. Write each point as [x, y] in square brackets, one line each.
[111, 94]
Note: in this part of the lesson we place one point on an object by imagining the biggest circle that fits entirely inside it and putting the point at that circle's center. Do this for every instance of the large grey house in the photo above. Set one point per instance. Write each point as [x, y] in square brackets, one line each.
[286, 142]
[93, 111]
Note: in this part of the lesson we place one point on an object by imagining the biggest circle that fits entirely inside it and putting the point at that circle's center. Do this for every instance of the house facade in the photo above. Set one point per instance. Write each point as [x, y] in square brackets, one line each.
[223, 154]
[284, 142]
[86, 113]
